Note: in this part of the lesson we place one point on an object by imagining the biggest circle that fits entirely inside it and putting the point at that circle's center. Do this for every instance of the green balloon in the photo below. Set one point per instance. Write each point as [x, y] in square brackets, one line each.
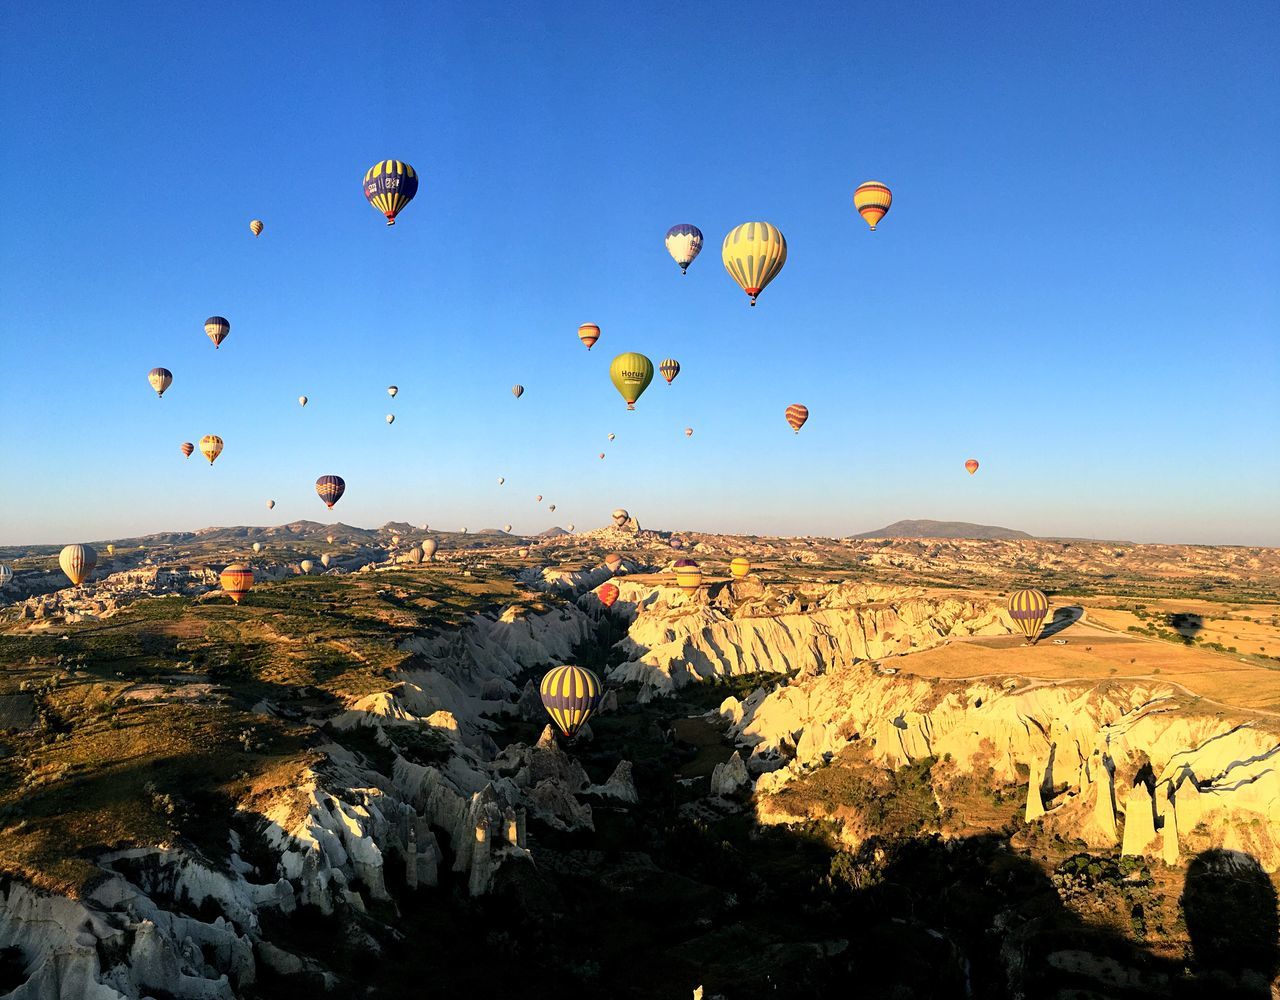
[631, 374]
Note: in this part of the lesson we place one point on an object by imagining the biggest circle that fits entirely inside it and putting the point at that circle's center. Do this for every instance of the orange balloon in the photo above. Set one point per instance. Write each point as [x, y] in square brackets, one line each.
[971, 465]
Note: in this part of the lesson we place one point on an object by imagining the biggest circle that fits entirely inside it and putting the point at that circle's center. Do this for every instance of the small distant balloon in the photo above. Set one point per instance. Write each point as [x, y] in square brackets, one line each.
[517, 391]
[392, 390]
[77, 562]
[538, 498]
[236, 580]
[255, 227]
[796, 416]
[972, 466]
[429, 547]
[160, 379]
[217, 328]
[523, 553]
[6, 574]
[391, 418]
[602, 454]
[612, 436]
[306, 566]
[302, 400]
[551, 507]
[689, 579]
[111, 549]
[872, 200]
[187, 449]
[608, 594]
[613, 561]
[501, 480]
[211, 447]
[257, 546]
[684, 243]
[688, 432]
[271, 505]
[669, 368]
[390, 185]
[325, 560]
[506, 527]
[329, 539]
[568, 527]
[589, 333]
[330, 489]
[739, 568]
[415, 555]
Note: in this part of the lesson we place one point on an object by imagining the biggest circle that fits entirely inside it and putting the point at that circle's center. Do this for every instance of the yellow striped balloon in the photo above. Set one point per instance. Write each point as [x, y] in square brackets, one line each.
[211, 447]
[1028, 609]
[797, 414]
[753, 254]
[589, 333]
[160, 379]
[570, 695]
[255, 227]
[872, 200]
[739, 568]
[236, 580]
[217, 328]
[390, 185]
[77, 561]
[689, 579]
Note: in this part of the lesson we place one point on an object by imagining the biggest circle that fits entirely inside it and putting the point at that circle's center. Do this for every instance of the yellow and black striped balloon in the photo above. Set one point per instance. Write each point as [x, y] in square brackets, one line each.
[570, 695]
[236, 580]
[753, 254]
[1028, 609]
[872, 200]
[217, 328]
[390, 185]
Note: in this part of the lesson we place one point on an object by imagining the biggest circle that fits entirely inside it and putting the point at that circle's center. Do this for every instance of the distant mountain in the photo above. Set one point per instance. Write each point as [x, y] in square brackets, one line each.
[552, 532]
[943, 529]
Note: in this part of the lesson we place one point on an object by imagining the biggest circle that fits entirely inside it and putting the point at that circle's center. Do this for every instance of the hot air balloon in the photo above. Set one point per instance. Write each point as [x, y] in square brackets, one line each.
[517, 391]
[257, 546]
[551, 507]
[753, 254]
[306, 566]
[669, 368]
[684, 564]
[330, 489]
[739, 568]
[217, 328]
[271, 505]
[391, 418]
[325, 560]
[392, 390]
[501, 480]
[568, 527]
[302, 400]
[688, 432]
[684, 243]
[506, 527]
[872, 200]
[523, 553]
[589, 333]
[111, 549]
[390, 185]
[971, 465]
[77, 561]
[796, 416]
[415, 555]
[602, 455]
[255, 227]
[676, 543]
[620, 517]
[6, 574]
[613, 561]
[236, 580]
[160, 379]
[570, 695]
[395, 539]
[211, 447]
[1028, 609]
[187, 448]
[538, 498]
[429, 547]
[608, 594]
[329, 539]
[631, 374]
[464, 531]
[689, 579]
[612, 436]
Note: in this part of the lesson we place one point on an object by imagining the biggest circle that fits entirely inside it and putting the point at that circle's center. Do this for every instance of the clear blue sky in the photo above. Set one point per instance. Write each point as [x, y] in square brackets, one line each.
[1077, 283]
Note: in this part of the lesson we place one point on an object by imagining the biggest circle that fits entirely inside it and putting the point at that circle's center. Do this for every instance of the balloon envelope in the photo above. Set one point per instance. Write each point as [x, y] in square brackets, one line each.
[589, 333]
[753, 254]
[872, 200]
[631, 374]
[187, 448]
[302, 400]
[390, 185]
[306, 565]
[796, 416]
[325, 560]
[257, 546]
[255, 227]
[670, 368]
[689, 579]
[739, 568]
[77, 561]
[517, 391]
[613, 561]
[570, 695]
[6, 574]
[391, 418]
[236, 580]
[608, 594]
[684, 243]
[217, 328]
[160, 379]
[1028, 609]
[429, 547]
[330, 489]
[971, 465]
[211, 447]
[392, 390]
[271, 504]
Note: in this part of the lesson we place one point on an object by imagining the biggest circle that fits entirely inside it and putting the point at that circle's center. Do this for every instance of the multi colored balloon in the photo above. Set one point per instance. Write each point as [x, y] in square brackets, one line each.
[160, 379]
[684, 243]
[211, 447]
[570, 695]
[589, 333]
[330, 489]
[236, 580]
[797, 415]
[390, 185]
[753, 254]
[872, 200]
[217, 328]
[670, 368]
